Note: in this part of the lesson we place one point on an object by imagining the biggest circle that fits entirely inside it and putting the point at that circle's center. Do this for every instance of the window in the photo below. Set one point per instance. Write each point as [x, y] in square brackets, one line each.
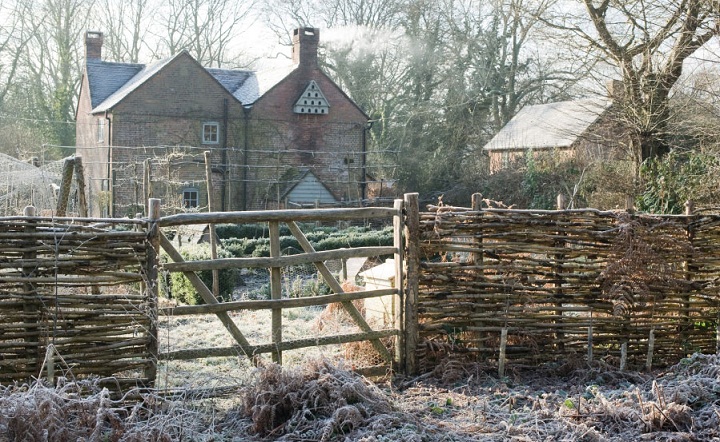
[190, 198]
[100, 129]
[505, 160]
[211, 133]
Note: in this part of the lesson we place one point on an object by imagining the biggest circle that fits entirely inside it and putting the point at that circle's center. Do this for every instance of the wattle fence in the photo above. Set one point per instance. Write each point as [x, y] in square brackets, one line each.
[524, 287]
[514, 288]
[74, 299]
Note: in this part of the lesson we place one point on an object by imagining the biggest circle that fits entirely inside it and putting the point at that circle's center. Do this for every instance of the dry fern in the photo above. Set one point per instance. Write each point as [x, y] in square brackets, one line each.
[317, 401]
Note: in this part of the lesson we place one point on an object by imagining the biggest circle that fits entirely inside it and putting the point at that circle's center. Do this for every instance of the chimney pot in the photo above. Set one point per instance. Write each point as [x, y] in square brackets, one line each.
[305, 46]
[93, 45]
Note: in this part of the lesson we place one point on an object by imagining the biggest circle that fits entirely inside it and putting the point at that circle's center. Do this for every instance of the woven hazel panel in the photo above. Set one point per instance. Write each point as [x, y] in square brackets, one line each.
[562, 281]
[78, 288]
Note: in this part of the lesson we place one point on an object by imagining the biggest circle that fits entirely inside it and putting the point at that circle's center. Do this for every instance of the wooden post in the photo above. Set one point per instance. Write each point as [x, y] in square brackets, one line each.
[690, 271]
[590, 341]
[147, 184]
[557, 269]
[64, 194]
[651, 349]
[213, 239]
[80, 179]
[151, 287]
[630, 204]
[561, 203]
[477, 261]
[477, 256]
[412, 270]
[399, 282]
[31, 307]
[503, 348]
[276, 289]
[623, 356]
[50, 364]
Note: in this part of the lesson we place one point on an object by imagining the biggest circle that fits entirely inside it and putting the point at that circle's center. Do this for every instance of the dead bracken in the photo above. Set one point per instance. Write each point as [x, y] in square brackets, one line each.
[458, 401]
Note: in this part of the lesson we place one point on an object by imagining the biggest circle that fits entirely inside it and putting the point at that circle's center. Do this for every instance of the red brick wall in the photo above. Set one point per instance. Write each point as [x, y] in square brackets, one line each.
[94, 154]
[169, 110]
[279, 139]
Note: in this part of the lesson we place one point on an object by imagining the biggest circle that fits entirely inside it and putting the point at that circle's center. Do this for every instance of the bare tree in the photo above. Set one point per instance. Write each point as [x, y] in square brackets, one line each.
[206, 28]
[126, 26]
[51, 65]
[15, 33]
[648, 42]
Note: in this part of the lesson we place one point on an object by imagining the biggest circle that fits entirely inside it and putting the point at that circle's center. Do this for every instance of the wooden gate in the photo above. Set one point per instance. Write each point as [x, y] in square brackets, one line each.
[392, 357]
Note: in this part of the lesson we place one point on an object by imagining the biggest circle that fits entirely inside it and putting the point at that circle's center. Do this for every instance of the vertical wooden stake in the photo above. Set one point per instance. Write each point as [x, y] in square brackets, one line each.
[503, 346]
[412, 269]
[651, 349]
[50, 364]
[276, 289]
[80, 179]
[477, 261]
[623, 356]
[64, 194]
[590, 340]
[151, 287]
[147, 184]
[213, 239]
[560, 202]
[32, 306]
[397, 303]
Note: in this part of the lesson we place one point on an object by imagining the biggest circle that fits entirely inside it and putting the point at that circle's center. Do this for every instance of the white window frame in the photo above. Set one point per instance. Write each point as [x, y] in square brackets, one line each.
[186, 200]
[100, 130]
[205, 127]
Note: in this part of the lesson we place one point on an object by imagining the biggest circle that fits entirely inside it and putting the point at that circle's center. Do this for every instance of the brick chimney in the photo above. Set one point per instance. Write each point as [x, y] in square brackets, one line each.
[305, 46]
[93, 45]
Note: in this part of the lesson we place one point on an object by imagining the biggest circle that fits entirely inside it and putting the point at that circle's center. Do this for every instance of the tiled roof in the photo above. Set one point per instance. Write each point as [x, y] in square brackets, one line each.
[545, 126]
[132, 83]
[110, 82]
[233, 80]
[261, 82]
[105, 78]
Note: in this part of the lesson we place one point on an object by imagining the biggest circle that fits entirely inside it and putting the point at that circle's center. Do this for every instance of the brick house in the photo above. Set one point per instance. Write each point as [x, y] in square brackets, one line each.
[586, 128]
[283, 138]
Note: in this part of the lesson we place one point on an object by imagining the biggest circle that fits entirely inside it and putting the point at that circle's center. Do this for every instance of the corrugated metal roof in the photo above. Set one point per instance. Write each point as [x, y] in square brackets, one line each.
[546, 126]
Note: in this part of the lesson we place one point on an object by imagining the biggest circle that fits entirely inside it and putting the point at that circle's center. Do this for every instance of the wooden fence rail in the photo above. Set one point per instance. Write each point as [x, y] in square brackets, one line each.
[274, 263]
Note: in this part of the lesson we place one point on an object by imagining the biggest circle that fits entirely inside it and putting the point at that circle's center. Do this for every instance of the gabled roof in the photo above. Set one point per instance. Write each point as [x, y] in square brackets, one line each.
[110, 83]
[307, 188]
[546, 126]
[113, 76]
[232, 80]
[105, 78]
[261, 82]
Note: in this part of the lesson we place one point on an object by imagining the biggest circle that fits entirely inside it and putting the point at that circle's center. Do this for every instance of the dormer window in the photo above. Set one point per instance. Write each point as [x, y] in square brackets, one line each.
[312, 101]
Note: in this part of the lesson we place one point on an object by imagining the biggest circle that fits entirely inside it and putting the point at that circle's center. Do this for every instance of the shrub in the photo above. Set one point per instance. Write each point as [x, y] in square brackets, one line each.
[320, 240]
[180, 288]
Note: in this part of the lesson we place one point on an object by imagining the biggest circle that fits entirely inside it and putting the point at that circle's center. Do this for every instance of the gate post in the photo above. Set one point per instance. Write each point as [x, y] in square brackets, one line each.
[398, 299]
[412, 267]
[152, 264]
